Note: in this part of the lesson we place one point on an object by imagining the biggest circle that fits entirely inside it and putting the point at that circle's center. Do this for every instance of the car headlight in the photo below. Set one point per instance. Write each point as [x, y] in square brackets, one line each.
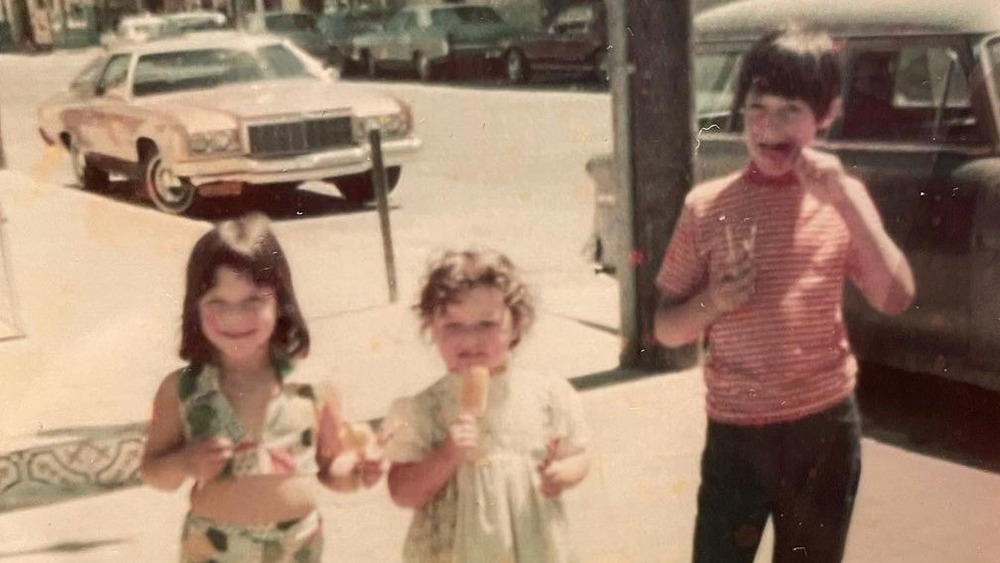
[214, 141]
[392, 125]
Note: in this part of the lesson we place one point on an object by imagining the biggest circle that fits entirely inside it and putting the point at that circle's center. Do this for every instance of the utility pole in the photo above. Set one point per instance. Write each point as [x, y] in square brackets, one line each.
[654, 130]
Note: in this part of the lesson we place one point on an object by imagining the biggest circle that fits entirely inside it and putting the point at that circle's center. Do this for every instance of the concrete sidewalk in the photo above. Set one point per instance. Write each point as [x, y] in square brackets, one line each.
[100, 313]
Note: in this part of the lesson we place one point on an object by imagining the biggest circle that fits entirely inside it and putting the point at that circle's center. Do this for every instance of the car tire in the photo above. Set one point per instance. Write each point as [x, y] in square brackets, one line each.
[359, 188]
[423, 67]
[167, 192]
[87, 175]
[368, 64]
[516, 67]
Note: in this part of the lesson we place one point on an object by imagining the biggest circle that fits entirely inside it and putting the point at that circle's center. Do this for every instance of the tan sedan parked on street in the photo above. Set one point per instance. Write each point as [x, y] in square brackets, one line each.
[211, 114]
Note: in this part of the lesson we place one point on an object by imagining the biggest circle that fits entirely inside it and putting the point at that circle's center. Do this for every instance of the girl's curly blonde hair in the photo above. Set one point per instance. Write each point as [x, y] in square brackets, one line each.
[455, 272]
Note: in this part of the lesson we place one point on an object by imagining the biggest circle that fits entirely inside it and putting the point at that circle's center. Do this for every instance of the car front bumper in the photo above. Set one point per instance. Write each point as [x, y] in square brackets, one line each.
[297, 168]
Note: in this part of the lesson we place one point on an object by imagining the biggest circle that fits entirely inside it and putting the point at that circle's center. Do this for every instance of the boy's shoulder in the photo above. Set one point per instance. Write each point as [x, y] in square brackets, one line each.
[708, 193]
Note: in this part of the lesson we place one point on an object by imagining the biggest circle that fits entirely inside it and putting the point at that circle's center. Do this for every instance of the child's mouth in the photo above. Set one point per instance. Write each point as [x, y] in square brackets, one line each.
[780, 150]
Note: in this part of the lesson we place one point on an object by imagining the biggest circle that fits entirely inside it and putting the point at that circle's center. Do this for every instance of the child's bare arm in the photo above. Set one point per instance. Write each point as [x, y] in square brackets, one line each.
[412, 485]
[564, 473]
[883, 273]
[167, 460]
[682, 321]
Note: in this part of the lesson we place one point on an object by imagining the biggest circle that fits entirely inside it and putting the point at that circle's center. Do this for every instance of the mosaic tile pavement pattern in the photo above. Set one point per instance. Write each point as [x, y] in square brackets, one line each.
[101, 461]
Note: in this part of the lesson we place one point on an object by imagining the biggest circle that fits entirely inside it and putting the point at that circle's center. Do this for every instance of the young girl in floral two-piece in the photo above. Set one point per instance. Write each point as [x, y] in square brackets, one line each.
[484, 478]
[230, 421]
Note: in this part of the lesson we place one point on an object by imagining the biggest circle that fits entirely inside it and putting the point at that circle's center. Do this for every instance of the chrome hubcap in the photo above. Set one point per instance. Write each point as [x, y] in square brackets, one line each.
[169, 187]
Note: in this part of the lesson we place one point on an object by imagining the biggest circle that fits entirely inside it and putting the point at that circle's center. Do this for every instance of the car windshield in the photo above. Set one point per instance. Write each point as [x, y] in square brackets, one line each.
[291, 22]
[994, 65]
[160, 73]
[464, 15]
[194, 23]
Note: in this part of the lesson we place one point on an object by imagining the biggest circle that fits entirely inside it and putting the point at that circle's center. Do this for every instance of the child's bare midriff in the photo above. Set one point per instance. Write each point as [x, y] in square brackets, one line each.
[256, 500]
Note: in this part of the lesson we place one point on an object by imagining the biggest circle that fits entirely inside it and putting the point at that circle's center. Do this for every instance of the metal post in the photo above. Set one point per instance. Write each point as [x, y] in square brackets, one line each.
[3, 158]
[382, 201]
[656, 162]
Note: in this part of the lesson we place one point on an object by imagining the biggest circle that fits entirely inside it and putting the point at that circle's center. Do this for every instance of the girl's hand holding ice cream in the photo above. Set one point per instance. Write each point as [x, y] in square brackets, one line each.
[361, 460]
[463, 438]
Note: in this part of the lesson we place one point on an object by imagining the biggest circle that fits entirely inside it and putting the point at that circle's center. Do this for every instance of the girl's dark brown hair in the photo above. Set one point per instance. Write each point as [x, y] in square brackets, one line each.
[456, 272]
[795, 63]
[245, 245]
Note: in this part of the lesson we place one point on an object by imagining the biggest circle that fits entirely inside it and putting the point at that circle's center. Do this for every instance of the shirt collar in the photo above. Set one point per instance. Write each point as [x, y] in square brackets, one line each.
[753, 175]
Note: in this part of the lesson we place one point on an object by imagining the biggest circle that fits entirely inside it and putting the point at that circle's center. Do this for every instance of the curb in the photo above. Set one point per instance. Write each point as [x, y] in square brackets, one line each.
[107, 459]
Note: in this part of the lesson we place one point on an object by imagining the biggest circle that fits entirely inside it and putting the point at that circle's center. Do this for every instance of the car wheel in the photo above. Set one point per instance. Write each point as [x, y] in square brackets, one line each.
[87, 175]
[601, 71]
[423, 67]
[368, 63]
[517, 67]
[167, 192]
[359, 188]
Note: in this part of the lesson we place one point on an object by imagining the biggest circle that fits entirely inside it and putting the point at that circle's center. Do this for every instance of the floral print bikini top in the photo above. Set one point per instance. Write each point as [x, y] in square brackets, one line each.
[287, 444]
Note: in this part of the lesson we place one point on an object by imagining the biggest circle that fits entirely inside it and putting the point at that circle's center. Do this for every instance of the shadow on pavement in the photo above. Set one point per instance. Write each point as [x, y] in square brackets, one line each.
[302, 203]
[64, 547]
[931, 416]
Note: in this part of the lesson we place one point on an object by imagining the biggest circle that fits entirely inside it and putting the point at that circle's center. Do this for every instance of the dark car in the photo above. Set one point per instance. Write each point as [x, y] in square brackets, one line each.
[575, 43]
[339, 28]
[301, 29]
[920, 126]
[434, 40]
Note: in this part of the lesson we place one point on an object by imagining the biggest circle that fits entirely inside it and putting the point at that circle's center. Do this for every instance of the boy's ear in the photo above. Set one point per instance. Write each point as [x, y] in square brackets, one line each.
[831, 114]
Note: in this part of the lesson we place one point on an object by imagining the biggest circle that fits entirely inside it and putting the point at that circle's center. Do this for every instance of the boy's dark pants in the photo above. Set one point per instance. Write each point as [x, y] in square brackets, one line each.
[804, 474]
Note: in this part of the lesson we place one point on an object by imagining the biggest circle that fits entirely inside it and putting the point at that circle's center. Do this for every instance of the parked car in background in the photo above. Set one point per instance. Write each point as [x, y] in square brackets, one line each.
[218, 113]
[433, 40]
[920, 125]
[340, 27]
[575, 43]
[187, 22]
[134, 29]
[299, 27]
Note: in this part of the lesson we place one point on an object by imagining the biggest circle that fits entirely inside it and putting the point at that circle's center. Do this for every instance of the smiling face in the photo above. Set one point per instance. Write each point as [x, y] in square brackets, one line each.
[238, 317]
[777, 128]
[475, 330]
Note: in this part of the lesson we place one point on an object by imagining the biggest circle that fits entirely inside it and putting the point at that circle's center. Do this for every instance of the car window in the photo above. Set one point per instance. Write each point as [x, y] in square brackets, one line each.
[291, 22]
[160, 73]
[87, 78]
[115, 73]
[917, 93]
[398, 22]
[993, 67]
[448, 17]
[715, 76]
[576, 19]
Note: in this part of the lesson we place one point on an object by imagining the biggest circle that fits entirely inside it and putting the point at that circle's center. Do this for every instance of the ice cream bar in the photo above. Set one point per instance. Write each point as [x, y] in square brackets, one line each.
[475, 391]
[355, 436]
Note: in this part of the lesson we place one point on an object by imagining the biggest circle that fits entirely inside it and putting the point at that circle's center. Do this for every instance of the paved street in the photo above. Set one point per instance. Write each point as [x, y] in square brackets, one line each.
[98, 280]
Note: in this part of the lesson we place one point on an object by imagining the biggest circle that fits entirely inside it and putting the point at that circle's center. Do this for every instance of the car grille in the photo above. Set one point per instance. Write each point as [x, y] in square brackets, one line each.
[299, 137]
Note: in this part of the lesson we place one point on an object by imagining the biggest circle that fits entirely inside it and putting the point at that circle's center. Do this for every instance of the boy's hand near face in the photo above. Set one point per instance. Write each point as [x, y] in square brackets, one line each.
[824, 174]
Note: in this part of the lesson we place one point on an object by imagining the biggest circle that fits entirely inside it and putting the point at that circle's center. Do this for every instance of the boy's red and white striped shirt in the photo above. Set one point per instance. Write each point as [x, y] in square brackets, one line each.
[784, 354]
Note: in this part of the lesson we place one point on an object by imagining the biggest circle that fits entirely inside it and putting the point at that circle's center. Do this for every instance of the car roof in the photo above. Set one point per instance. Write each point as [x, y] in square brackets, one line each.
[206, 39]
[749, 19]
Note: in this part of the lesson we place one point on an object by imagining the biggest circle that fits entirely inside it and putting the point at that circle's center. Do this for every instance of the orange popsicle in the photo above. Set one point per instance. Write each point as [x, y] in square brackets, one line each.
[475, 391]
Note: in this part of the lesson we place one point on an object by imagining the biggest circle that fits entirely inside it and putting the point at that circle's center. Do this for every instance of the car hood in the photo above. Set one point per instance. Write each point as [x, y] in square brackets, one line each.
[228, 105]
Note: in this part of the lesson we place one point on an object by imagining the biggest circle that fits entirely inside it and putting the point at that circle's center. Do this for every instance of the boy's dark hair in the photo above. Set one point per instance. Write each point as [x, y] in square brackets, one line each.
[246, 245]
[795, 63]
[457, 272]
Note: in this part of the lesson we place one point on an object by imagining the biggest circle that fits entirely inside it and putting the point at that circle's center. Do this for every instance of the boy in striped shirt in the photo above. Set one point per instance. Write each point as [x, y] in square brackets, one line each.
[757, 264]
